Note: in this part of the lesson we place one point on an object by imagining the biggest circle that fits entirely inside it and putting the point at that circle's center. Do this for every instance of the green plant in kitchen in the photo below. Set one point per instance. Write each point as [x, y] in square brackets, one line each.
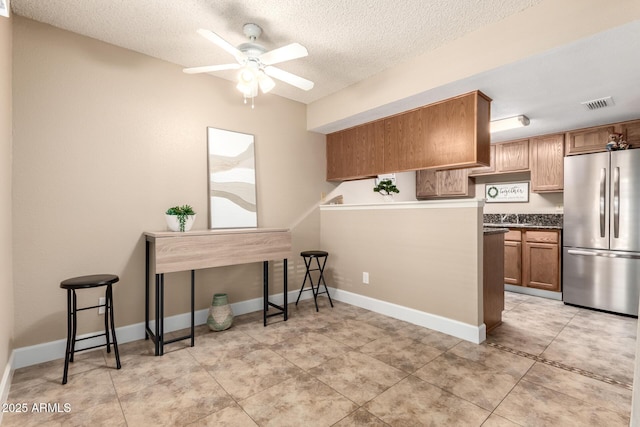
[386, 187]
[182, 213]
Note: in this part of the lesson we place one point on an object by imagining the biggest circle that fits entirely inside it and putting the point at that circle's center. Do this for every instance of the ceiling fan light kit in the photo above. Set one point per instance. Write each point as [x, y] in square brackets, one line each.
[255, 64]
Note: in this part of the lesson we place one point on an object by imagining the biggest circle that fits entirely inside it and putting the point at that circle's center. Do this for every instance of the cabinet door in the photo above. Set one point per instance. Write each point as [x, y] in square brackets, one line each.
[547, 163]
[453, 182]
[426, 183]
[631, 132]
[335, 158]
[541, 266]
[404, 142]
[512, 156]
[486, 170]
[457, 132]
[541, 260]
[513, 263]
[368, 149]
[591, 140]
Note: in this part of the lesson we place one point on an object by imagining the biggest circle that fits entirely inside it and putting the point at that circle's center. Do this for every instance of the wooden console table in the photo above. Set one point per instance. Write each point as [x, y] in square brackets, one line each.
[169, 251]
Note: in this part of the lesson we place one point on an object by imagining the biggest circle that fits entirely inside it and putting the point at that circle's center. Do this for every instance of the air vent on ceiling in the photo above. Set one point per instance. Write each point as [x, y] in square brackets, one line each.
[596, 104]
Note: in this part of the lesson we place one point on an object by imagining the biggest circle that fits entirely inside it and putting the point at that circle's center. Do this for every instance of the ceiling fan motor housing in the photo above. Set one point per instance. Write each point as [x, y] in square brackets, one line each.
[251, 49]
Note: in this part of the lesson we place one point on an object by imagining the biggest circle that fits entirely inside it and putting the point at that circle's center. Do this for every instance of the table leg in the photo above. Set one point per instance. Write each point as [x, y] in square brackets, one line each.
[286, 307]
[146, 291]
[193, 308]
[265, 290]
[160, 319]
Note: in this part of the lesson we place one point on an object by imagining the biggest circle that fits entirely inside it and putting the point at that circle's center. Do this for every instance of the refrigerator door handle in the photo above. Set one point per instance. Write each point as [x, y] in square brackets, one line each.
[603, 186]
[616, 203]
[607, 254]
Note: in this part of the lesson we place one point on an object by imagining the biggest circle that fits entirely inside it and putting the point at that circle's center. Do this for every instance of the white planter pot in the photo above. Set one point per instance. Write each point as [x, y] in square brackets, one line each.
[174, 224]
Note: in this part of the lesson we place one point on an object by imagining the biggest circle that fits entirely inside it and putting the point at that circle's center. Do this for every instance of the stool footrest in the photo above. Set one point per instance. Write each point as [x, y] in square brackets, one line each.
[92, 336]
[89, 348]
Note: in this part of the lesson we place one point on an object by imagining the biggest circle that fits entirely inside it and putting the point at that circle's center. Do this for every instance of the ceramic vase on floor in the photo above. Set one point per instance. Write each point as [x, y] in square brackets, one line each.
[220, 313]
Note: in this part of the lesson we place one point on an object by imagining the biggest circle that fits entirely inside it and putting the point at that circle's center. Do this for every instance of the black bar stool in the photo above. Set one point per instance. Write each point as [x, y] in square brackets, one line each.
[308, 257]
[85, 282]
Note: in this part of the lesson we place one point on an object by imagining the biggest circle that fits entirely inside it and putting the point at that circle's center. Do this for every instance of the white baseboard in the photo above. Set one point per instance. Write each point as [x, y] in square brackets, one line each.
[5, 384]
[465, 331]
[45, 352]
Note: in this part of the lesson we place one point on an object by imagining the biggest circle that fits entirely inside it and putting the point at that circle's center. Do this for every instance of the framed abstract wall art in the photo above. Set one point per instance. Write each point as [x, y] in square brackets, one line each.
[232, 179]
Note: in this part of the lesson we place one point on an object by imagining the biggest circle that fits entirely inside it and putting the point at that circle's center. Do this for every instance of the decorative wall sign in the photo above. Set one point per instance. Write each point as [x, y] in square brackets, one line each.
[506, 193]
[232, 179]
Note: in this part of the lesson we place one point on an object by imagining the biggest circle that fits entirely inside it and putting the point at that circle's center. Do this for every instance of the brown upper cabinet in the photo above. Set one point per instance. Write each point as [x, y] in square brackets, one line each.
[452, 134]
[512, 156]
[547, 163]
[506, 157]
[594, 139]
[590, 140]
[356, 152]
[404, 142]
[457, 132]
[431, 183]
[631, 132]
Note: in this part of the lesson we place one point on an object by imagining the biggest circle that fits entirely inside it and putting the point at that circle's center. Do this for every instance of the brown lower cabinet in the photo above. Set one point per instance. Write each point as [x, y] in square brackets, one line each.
[532, 259]
[513, 258]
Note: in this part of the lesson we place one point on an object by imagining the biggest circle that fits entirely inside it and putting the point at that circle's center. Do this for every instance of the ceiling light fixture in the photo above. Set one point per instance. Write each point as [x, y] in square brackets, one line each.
[509, 123]
[251, 77]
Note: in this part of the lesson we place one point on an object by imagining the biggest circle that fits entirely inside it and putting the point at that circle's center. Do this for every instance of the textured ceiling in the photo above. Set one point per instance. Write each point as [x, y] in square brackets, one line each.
[347, 40]
[350, 40]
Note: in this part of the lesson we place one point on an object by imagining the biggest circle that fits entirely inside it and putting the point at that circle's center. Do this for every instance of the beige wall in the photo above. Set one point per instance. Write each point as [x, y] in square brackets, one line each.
[6, 267]
[539, 203]
[425, 259]
[105, 141]
[539, 28]
[361, 191]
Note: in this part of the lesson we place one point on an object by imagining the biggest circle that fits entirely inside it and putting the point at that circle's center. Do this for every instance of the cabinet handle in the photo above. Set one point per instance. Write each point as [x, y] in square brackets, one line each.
[606, 254]
[616, 203]
[603, 186]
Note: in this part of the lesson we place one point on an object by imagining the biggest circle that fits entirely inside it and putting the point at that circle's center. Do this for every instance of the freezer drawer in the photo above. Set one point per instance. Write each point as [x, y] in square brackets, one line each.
[606, 280]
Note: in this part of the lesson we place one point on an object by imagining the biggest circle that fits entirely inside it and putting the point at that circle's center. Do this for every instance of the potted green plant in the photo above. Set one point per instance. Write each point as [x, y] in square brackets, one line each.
[180, 218]
[387, 188]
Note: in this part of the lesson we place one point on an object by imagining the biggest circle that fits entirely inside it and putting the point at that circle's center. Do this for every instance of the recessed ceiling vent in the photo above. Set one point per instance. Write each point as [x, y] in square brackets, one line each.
[598, 103]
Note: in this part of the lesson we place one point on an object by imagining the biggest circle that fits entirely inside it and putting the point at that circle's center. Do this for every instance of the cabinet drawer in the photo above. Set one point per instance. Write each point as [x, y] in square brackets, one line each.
[513, 236]
[541, 236]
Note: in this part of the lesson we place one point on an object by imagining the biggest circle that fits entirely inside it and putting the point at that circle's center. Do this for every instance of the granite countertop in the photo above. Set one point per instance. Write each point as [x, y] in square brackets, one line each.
[532, 221]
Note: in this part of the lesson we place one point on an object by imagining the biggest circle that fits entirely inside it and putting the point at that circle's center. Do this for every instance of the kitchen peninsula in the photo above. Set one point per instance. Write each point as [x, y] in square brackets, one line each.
[424, 261]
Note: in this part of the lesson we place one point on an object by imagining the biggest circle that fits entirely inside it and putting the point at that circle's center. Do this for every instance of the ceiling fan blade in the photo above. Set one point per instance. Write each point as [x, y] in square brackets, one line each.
[284, 53]
[211, 68]
[289, 78]
[220, 42]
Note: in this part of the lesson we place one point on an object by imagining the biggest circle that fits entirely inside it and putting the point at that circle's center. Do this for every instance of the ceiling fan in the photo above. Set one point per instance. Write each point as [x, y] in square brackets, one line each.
[255, 63]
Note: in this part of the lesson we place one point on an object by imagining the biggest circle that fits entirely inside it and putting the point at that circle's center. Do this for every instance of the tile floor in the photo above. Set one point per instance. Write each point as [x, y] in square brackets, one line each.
[547, 365]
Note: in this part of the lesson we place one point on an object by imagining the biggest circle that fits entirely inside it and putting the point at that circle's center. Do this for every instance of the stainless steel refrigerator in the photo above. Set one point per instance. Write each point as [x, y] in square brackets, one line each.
[601, 233]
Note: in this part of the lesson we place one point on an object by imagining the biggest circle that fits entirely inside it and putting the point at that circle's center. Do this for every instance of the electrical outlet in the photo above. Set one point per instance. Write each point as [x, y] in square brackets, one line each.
[365, 278]
[102, 301]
